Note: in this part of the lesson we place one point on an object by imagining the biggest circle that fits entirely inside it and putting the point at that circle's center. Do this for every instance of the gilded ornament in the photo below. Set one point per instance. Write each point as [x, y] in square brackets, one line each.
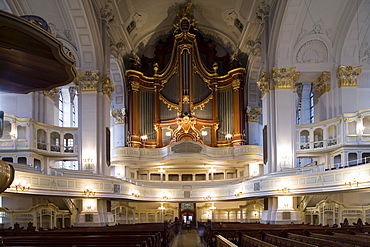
[348, 75]
[51, 93]
[135, 86]
[285, 78]
[236, 84]
[322, 84]
[253, 114]
[87, 81]
[119, 116]
[107, 85]
[264, 83]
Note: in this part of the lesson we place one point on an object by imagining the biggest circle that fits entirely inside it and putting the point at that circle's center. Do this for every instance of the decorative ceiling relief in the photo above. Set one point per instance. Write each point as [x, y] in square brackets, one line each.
[365, 52]
[313, 51]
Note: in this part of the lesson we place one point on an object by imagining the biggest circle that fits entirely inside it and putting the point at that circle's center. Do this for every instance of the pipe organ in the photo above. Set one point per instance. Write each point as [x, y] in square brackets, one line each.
[186, 92]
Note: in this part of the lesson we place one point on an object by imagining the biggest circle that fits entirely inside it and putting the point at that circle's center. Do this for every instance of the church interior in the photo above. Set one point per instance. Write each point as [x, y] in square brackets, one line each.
[129, 112]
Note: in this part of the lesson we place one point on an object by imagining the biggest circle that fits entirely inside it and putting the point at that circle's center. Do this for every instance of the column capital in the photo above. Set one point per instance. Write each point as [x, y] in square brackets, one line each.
[51, 93]
[264, 83]
[285, 78]
[322, 84]
[87, 81]
[263, 12]
[106, 14]
[348, 75]
[253, 114]
[119, 116]
[107, 85]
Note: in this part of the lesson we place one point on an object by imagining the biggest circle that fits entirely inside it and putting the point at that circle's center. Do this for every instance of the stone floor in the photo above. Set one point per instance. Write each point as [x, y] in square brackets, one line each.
[187, 239]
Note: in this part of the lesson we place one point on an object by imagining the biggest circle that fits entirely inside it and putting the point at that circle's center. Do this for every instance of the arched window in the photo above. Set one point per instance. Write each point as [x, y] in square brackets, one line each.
[68, 143]
[55, 142]
[41, 139]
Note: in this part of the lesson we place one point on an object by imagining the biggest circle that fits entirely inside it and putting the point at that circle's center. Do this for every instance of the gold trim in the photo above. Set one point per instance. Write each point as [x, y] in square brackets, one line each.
[87, 81]
[201, 105]
[135, 86]
[285, 78]
[169, 104]
[236, 84]
[264, 83]
[322, 84]
[348, 75]
[107, 85]
[253, 114]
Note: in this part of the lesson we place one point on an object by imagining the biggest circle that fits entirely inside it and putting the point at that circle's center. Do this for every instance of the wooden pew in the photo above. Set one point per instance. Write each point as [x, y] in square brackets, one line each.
[247, 241]
[316, 241]
[284, 242]
[350, 239]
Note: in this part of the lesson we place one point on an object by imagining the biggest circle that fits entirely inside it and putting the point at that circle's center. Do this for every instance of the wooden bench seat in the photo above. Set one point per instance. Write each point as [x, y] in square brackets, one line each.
[284, 242]
[349, 239]
[316, 241]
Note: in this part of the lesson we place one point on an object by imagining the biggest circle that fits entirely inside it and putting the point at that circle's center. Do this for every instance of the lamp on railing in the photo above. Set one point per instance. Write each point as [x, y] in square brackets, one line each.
[13, 134]
[353, 182]
[238, 193]
[89, 191]
[21, 185]
[228, 137]
[166, 198]
[284, 189]
[135, 194]
[208, 197]
[212, 207]
[144, 138]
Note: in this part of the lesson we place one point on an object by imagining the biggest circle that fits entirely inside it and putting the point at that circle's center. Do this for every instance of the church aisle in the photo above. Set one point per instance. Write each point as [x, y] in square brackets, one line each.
[187, 239]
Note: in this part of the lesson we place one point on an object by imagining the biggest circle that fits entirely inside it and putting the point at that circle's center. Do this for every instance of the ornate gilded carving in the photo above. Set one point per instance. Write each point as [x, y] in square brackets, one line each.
[135, 86]
[169, 104]
[253, 114]
[285, 78]
[119, 116]
[322, 84]
[87, 81]
[51, 93]
[186, 129]
[264, 83]
[185, 23]
[348, 75]
[107, 85]
[236, 84]
[202, 104]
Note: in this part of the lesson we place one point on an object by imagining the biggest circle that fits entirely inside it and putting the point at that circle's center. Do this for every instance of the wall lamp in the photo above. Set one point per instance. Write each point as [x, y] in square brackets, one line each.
[166, 198]
[352, 182]
[89, 191]
[21, 185]
[238, 193]
[212, 207]
[284, 190]
[208, 198]
[135, 194]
